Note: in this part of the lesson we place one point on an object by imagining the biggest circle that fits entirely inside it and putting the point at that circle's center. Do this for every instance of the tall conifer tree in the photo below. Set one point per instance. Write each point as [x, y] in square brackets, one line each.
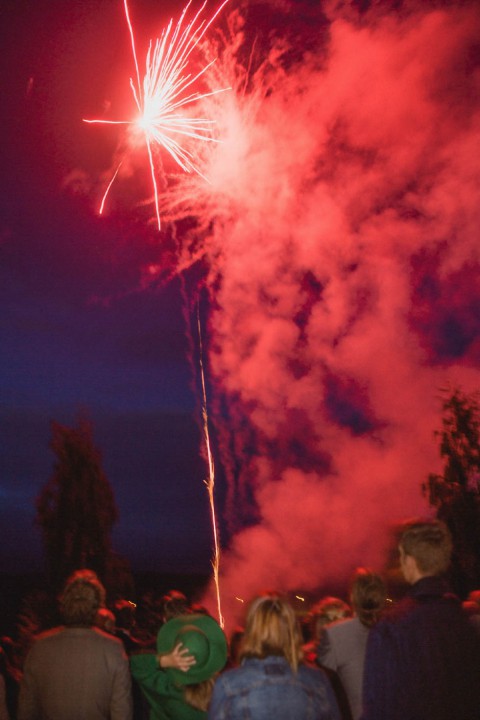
[76, 509]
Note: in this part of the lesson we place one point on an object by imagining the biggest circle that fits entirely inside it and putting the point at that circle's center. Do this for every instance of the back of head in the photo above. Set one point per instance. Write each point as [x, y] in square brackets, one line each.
[124, 611]
[235, 646]
[173, 604]
[81, 598]
[272, 629]
[369, 596]
[105, 620]
[474, 597]
[327, 610]
[470, 608]
[430, 544]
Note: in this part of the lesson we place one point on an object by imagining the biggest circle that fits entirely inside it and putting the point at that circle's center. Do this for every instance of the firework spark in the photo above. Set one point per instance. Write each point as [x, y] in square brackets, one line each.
[165, 94]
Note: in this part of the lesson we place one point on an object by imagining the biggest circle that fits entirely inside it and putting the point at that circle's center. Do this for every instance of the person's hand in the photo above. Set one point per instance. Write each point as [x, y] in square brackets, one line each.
[179, 658]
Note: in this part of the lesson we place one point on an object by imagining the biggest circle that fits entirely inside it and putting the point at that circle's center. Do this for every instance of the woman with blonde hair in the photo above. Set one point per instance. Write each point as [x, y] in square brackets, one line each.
[272, 682]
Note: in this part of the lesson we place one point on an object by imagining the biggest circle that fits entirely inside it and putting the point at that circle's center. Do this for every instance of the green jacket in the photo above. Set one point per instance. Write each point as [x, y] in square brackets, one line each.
[164, 697]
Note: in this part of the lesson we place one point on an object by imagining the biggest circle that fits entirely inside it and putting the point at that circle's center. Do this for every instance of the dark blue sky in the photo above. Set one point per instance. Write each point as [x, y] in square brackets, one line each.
[78, 332]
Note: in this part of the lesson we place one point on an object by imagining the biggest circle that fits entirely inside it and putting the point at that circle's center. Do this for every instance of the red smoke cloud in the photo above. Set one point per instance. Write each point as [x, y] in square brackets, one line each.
[346, 188]
[340, 225]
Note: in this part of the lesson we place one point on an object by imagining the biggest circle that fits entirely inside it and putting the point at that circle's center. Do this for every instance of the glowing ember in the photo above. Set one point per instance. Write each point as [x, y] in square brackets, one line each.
[164, 96]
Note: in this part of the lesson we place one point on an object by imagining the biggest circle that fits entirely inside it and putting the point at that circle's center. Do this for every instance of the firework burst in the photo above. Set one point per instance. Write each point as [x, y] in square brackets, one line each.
[165, 95]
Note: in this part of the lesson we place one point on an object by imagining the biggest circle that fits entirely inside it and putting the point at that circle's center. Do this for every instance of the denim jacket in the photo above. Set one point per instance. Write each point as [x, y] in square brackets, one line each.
[268, 690]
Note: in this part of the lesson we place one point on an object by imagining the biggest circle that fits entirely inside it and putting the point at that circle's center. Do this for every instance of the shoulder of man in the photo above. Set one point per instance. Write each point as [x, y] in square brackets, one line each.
[342, 627]
[108, 640]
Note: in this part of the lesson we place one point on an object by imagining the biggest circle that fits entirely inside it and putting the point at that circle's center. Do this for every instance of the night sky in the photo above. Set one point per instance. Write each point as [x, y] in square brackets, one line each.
[80, 335]
[334, 250]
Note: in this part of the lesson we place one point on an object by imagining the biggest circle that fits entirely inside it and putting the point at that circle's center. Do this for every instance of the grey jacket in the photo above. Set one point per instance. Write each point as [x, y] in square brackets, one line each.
[76, 674]
[342, 649]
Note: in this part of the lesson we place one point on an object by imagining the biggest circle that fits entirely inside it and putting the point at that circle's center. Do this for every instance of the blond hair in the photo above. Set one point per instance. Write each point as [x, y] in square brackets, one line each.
[199, 694]
[272, 629]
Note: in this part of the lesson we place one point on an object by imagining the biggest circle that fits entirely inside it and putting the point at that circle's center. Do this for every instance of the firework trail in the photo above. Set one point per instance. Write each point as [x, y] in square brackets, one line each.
[164, 96]
[210, 482]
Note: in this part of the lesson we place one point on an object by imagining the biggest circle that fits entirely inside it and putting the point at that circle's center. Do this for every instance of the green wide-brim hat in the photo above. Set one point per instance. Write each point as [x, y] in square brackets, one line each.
[204, 639]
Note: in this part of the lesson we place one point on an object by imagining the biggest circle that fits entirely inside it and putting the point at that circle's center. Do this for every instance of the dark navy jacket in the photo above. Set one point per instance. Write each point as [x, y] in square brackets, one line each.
[423, 660]
[269, 690]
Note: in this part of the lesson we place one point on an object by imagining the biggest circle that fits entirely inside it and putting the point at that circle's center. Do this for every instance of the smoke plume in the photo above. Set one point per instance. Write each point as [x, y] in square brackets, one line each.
[344, 272]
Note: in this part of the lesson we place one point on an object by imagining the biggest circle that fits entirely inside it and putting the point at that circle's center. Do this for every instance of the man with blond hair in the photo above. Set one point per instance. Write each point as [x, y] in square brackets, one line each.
[423, 660]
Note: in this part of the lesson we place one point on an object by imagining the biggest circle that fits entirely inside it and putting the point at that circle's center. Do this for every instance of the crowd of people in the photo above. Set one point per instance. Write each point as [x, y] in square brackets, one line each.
[365, 659]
